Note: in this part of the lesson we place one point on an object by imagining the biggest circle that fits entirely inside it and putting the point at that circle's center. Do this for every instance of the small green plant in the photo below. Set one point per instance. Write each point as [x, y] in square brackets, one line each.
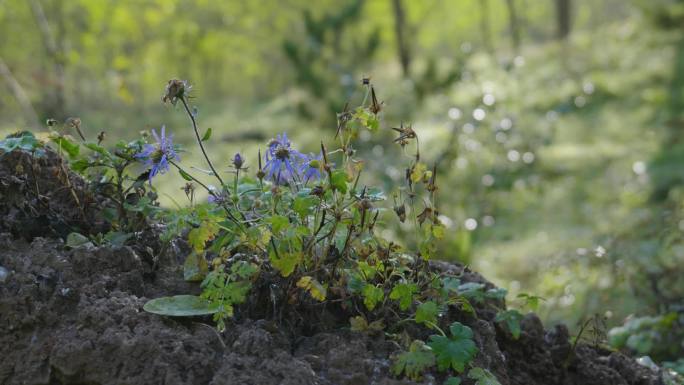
[455, 351]
[290, 233]
[127, 200]
[649, 336]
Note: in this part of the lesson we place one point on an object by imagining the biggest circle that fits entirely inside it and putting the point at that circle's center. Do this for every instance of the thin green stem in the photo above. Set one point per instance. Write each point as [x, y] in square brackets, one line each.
[199, 140]
[210, 191]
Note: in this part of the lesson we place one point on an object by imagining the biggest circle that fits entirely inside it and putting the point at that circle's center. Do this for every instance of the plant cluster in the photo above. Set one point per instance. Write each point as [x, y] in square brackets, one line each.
[291, 234]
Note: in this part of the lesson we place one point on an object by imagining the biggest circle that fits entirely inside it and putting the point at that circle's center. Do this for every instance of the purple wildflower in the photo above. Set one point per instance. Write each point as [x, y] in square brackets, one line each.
[311, 167]
[282, 161]
[157, 156]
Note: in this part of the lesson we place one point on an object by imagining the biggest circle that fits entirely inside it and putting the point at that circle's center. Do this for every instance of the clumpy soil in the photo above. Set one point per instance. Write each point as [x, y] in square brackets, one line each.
[74, 316]
[42, 197]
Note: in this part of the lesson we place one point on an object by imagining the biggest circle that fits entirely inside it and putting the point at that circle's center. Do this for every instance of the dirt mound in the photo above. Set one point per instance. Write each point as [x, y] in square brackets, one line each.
[74, 316]
[40, 196]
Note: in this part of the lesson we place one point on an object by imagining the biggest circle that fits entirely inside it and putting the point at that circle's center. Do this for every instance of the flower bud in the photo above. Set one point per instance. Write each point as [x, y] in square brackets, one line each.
[238, 161]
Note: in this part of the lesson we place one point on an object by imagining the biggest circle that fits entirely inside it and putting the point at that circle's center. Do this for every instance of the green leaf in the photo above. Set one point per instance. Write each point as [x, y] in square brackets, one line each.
[450, 284]
[414, 362]
[24, 140]
[77, 240]
[302, 205]
[180, 306]
[338, 181]
[244, 269]
[199, 236]
[195, 267]
[642, 342]
[278, 223]
[236, 292]
[454, 352]
[497, 293]
[207, 135]
[473, 291]
[404, 293]
[355, 283]
[531, 301]
[358, 324]
[96, 148]
[117, 238]
[511, 319]
[373, 123]
[617, 337]
[482, 376]
[185, 175]
[79, 165]
[418, 171]
[372, 295]
[286, 262]
[367, 270]
[438, 231]
[71, 148]
[427, 313]
[453, 381]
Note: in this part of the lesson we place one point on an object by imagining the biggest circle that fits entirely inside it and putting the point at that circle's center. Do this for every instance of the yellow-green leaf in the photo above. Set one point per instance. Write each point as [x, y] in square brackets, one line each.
[195, 267]
[418, 172]
[314, 287]
[278, 223]
[358, 324]
[438, 231]
[285, 263]
[372, 295]
[199, 236]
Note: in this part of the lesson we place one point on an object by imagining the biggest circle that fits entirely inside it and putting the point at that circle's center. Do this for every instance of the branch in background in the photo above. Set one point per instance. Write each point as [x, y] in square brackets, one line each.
[513, 24]
[563, 9]
[20, 95]
[54, 52]
[400, 27]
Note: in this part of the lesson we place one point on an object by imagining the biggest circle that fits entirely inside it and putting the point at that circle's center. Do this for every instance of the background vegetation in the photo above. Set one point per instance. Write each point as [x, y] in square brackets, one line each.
[556, 124]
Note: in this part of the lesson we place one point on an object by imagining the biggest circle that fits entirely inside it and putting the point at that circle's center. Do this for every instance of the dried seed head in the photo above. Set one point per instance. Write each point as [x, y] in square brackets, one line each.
[188, 188]
[400, 210]
[73, 122]
[364, 204]
[426, 214]
[175, 89]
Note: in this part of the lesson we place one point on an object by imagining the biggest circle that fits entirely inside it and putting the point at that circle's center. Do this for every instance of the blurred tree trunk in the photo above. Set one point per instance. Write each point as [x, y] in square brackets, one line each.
[485, 27]
[563, 9]
[55, 106]
[20, 95]
[400, 28]
[513, 25]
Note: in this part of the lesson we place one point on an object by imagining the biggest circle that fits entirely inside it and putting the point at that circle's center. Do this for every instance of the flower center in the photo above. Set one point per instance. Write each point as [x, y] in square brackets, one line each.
[157, 155]
[282, 153]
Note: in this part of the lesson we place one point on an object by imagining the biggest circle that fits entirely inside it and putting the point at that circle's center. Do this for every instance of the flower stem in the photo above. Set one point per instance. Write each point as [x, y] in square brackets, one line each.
[199, 140]
[210, 191]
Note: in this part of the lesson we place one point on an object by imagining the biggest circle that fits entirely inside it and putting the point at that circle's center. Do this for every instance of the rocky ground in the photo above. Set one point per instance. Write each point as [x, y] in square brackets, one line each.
[74, 316]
